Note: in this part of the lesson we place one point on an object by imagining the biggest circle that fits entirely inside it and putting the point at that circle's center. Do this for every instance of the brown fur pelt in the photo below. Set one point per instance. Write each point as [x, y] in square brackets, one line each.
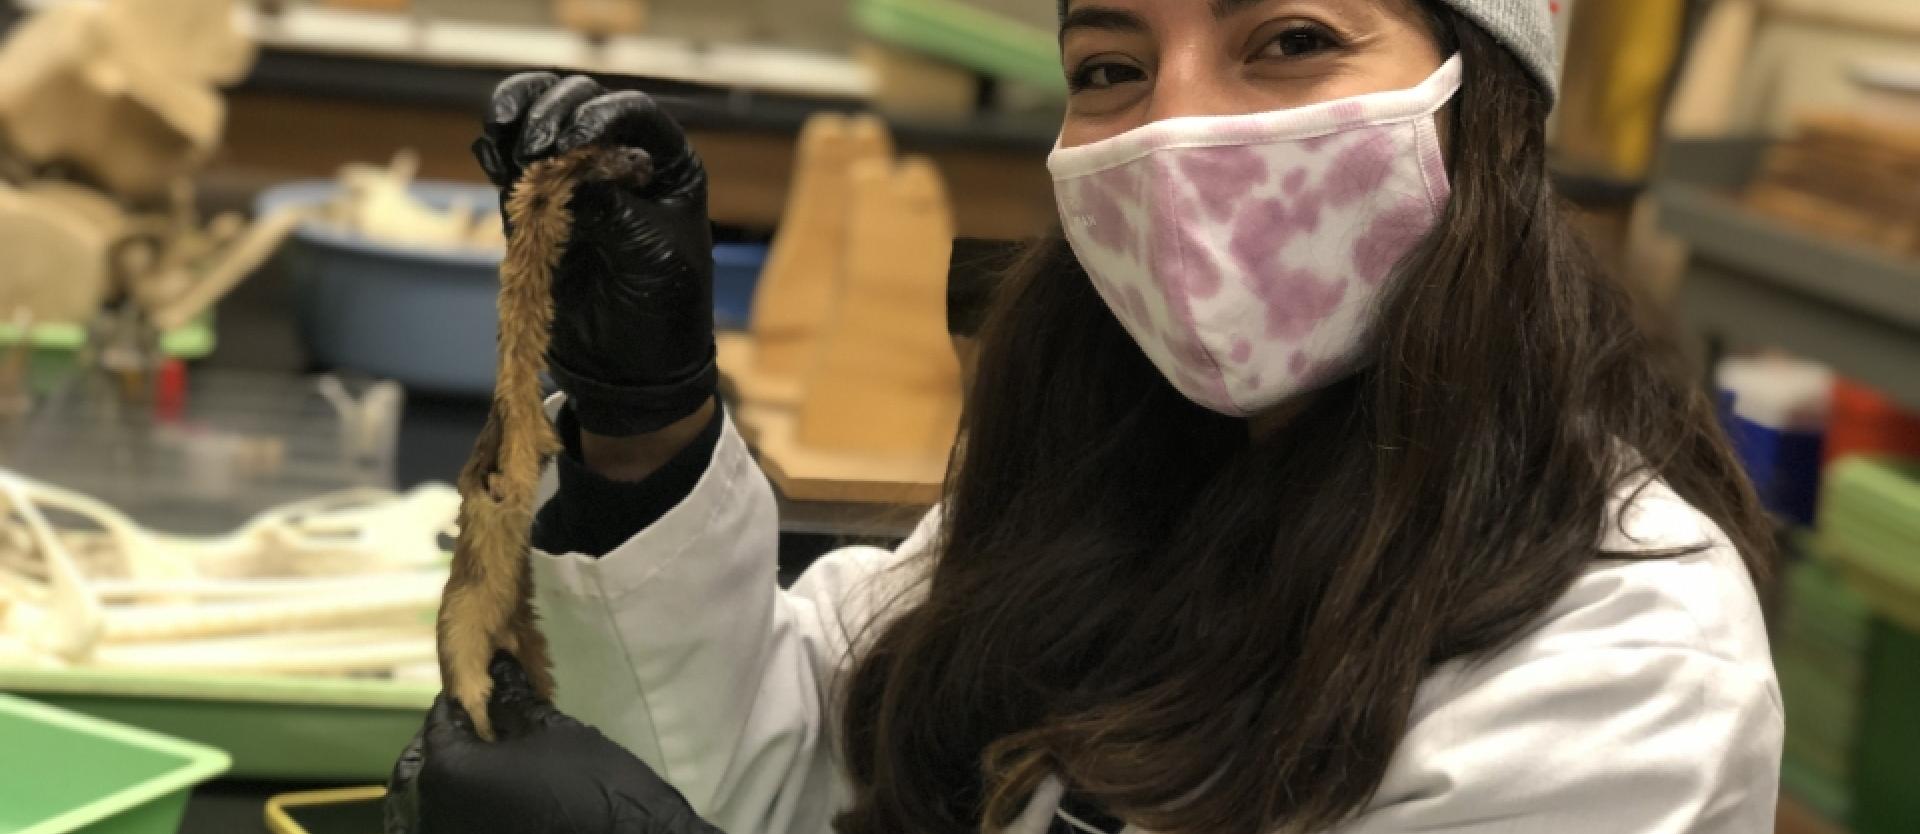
[487, 605]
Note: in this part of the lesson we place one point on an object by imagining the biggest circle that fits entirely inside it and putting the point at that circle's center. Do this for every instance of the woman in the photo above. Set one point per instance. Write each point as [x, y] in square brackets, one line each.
[1314, 480]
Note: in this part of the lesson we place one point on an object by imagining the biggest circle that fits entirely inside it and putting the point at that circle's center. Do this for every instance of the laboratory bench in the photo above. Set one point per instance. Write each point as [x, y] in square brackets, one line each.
[257, 341]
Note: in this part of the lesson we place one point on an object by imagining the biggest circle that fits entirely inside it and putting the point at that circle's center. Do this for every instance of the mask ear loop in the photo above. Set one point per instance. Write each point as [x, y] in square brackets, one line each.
[1433, 164]
[1429, 142]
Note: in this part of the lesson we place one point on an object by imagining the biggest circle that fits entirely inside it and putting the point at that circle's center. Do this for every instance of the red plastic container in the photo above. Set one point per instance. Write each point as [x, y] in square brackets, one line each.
[1865, 423]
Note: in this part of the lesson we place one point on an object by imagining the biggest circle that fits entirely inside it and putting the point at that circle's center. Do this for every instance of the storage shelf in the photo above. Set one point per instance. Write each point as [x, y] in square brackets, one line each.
[1754, 281]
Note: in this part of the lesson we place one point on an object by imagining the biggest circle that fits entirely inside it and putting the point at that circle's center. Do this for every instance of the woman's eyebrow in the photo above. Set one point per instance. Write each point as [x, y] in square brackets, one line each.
[1223, 9]
[1103, 18]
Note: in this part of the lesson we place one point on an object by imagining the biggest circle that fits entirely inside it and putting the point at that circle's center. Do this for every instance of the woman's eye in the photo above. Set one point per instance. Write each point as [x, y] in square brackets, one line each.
[1102, 76]
[1302, 40]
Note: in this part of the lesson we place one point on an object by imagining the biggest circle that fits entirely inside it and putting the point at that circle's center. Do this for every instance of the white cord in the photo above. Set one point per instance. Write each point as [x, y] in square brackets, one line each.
[341, 583]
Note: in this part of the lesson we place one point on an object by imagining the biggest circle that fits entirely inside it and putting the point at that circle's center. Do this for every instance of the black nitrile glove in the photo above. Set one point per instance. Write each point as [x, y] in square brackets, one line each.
[547, 774]
[633, 297]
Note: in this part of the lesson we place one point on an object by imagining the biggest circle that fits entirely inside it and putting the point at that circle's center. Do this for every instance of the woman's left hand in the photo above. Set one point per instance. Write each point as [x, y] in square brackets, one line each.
[546, 773]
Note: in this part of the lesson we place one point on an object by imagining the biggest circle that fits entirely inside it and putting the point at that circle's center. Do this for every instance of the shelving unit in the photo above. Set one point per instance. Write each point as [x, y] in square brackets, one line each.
[1752, 281]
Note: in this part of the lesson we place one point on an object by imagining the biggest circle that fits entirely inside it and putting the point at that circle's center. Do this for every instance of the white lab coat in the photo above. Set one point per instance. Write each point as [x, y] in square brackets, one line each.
[1644, 701]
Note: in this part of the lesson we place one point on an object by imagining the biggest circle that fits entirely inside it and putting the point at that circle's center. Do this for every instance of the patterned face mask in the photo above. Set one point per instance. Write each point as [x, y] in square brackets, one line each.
[1247, 254]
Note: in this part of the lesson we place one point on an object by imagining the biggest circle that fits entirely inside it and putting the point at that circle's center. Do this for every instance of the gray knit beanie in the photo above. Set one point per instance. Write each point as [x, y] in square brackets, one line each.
[1524, 26]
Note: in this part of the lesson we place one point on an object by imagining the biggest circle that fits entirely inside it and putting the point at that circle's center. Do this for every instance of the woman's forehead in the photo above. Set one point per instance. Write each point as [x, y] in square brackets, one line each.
[1223, 8]
[1145, 10]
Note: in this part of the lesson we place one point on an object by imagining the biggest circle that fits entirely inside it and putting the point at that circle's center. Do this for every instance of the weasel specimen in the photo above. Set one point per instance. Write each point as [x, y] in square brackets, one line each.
[487, 605]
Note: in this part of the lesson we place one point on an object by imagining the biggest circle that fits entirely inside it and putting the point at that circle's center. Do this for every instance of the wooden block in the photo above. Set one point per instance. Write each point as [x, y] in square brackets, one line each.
[802, 277]
[743, 379]
[910, 83]
[1703, 99]
[803, 473]
[602, 18]
[887, 381]
[752, 419]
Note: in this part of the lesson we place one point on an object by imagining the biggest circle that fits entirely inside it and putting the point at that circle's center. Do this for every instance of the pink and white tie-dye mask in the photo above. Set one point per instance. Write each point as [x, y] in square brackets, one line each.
[1245, 254]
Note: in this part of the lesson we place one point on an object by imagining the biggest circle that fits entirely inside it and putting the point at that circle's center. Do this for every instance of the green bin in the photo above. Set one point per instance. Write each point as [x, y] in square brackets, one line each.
[288, 728]
[1870, 527]
[64, 772]
[1887, 780]
[57, 348]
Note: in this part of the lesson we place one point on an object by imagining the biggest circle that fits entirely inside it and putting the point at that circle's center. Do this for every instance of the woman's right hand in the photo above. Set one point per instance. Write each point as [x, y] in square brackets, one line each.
[633, 296]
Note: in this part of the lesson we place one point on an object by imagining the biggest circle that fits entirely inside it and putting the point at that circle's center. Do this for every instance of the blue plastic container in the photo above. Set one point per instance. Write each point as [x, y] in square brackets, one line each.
[736, 273]
[1784, 465]
[427, 316]
[1775, 411]
[422, 315]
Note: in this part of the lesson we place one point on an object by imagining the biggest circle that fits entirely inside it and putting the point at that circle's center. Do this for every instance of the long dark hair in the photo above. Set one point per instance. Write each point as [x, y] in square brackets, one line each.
[1204, 632]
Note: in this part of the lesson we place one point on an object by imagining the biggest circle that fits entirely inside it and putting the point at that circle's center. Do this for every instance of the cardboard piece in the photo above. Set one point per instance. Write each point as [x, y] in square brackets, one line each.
[881, 401]
[887, 381]
[846, 383]
[802, 276]
[805, 474]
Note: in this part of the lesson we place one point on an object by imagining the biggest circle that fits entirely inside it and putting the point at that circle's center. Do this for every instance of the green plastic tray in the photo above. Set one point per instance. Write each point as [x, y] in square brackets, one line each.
[309, 729]
[986, 42]
[66, 772]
